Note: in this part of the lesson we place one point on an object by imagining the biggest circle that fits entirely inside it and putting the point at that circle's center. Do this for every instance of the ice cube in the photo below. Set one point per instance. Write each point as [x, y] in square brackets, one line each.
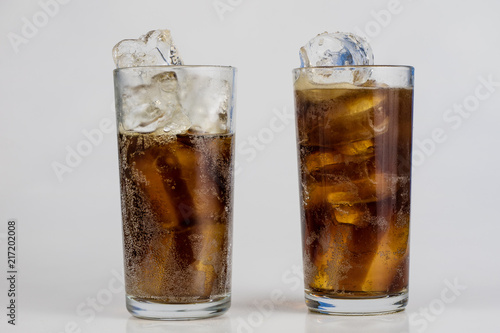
[352, 116]
[152, 49]
[362, 103]
[153, 178]
[151, 107]
[208, 104]
[341, 266]
[376, 187]
[332, 264]
[177, 122]
[208, 252]
[153, 267]
[343, 193]
[319, 161]
[363, 147]
[331, 163]
[361, 119]
[352, 214]
[389, 260]
[143, 109]
[336, 49]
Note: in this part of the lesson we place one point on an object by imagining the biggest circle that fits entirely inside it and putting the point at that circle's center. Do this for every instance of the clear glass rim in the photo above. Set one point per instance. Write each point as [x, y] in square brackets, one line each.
[221, 67]
[355, 67]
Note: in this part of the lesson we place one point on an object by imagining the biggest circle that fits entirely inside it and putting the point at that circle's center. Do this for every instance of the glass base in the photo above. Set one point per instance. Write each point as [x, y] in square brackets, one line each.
[357, 306]
[160, 311]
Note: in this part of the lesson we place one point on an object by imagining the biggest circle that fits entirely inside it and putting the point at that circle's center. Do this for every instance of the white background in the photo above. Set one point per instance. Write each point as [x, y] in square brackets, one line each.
[58, 82]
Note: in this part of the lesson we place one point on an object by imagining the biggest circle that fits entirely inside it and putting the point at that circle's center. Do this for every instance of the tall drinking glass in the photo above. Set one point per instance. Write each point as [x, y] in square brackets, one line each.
[354, 131]
[176, 157]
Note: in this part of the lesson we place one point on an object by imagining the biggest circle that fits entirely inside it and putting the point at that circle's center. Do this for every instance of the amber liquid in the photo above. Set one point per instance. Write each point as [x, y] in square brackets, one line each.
[355, 167]
[176, 194]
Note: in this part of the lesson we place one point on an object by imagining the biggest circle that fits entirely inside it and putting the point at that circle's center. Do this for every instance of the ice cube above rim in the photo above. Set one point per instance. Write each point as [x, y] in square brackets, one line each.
[156, 48]
[336, 49]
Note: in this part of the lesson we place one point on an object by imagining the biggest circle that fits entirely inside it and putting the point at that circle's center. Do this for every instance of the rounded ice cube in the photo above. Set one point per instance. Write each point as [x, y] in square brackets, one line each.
[336, 49]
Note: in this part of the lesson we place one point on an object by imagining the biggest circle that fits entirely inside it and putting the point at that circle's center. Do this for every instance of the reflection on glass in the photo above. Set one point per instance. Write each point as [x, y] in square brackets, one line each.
[214, 325]
[390, 323]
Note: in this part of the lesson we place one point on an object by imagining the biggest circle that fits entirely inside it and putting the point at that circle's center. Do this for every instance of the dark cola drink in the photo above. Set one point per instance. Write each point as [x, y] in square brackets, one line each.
[176, 193]
[354, 145]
